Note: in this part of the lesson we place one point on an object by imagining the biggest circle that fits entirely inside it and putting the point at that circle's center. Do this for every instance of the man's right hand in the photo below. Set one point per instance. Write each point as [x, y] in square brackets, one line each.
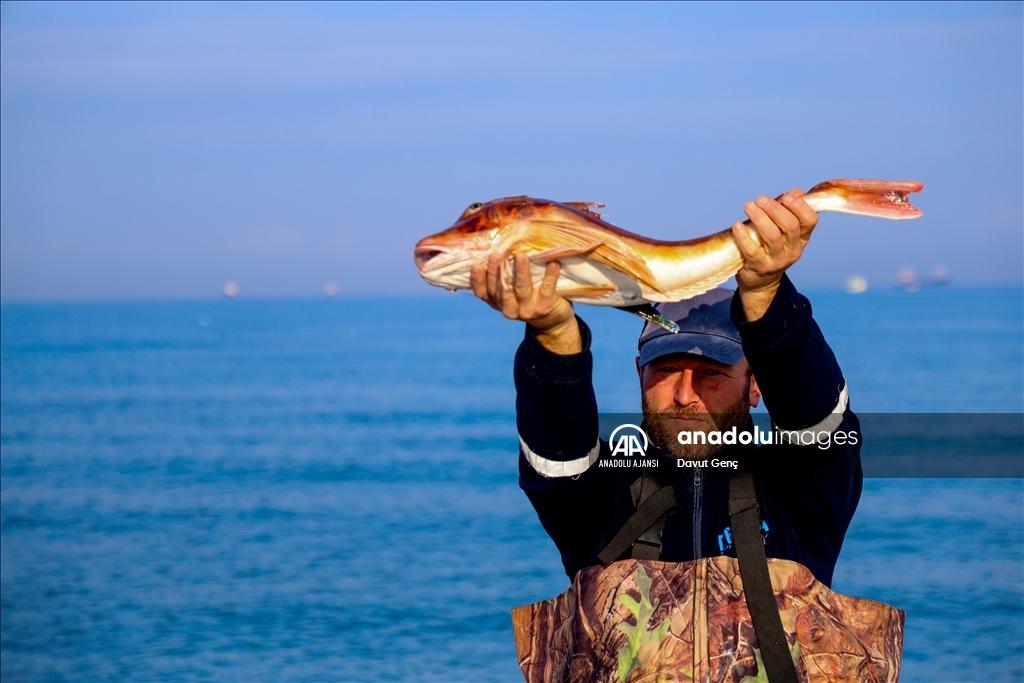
[551, 316]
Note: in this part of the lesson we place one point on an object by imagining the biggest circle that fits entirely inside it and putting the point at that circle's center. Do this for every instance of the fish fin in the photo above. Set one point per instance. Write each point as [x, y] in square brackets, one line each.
[586, 291]
[587, 207]
[611, 252]
[879, 198]
[555, 253]
[651, 315]
[625, 260]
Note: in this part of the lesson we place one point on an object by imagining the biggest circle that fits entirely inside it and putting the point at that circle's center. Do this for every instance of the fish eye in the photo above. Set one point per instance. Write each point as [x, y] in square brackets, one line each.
[471, 209]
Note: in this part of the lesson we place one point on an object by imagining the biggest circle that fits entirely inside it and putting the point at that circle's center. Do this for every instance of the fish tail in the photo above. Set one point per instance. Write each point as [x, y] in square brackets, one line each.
[879, 198]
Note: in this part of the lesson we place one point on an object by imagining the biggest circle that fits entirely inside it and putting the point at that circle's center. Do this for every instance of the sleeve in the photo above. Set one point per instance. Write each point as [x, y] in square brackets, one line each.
[556, 410]
[799, 377]
[556, 415]
[812, 476]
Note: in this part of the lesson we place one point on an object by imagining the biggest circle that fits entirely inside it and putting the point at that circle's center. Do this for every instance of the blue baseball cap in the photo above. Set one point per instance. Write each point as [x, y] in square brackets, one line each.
[705, 329]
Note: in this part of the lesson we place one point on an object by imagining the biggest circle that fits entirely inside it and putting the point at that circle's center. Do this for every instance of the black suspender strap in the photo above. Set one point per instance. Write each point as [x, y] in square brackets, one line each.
[649, 511]
[757, 586]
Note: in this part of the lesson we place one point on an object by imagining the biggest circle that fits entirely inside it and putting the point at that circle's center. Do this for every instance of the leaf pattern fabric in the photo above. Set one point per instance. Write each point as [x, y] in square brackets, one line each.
[645, 620]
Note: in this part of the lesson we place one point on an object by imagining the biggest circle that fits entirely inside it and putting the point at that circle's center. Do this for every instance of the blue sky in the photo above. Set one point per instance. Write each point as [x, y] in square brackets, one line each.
[159, 150]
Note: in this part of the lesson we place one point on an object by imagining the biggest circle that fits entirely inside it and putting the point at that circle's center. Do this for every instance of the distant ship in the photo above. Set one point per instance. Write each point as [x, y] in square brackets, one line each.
[907, 278]
[856, 284]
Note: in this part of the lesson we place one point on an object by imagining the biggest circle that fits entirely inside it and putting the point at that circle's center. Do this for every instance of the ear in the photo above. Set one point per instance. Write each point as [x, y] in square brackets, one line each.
[755, 392]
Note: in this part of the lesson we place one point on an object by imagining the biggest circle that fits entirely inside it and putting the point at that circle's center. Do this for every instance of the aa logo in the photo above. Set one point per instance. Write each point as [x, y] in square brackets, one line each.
[628, 442]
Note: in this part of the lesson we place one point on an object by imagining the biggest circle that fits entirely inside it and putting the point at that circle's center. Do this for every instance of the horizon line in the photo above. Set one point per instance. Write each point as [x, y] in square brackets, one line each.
[889, 288]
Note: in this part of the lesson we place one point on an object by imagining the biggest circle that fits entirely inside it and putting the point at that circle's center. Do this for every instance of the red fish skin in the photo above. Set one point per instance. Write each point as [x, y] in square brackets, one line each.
[614, 266]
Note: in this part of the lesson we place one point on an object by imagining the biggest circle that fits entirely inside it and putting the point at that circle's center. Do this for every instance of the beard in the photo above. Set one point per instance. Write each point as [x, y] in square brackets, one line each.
[663, 428]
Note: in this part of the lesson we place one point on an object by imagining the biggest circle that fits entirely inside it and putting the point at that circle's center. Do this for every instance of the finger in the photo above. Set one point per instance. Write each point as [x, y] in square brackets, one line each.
[505, 296]
[787, 223]
[550, 281]
[767, 230]
[795, 192]
[523, 284]
[494, 277]
[808, 217]
[748, 242]
[478, 280]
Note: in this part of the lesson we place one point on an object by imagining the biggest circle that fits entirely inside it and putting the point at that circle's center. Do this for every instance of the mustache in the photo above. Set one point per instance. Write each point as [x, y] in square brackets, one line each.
[682, 412]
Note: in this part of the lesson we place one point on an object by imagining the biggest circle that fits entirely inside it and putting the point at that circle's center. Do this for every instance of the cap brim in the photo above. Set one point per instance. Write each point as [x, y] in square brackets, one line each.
[713, 346]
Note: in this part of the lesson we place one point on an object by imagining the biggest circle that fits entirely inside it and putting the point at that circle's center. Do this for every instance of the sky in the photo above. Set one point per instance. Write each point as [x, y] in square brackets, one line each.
[157, 151]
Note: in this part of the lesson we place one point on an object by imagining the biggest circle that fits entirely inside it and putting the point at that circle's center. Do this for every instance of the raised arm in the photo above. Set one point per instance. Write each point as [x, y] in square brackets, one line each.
[771, 241]
[556, 410]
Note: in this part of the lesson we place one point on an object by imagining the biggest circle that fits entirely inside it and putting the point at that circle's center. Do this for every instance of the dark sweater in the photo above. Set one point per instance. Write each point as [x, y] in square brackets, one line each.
[807, 494]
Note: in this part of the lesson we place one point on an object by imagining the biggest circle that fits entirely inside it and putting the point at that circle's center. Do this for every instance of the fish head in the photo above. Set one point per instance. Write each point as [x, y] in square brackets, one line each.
[446, 258]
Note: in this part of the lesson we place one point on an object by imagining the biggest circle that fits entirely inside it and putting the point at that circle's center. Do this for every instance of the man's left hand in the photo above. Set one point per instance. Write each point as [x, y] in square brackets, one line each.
[770, 242]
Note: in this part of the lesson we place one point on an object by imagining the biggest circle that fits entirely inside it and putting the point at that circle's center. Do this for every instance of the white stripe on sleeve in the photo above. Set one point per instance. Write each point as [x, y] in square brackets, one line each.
[553, 469]
[829, 424]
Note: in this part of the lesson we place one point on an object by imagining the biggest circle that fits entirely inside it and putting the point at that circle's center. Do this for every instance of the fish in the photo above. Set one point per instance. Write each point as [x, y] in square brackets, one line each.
[604, 265]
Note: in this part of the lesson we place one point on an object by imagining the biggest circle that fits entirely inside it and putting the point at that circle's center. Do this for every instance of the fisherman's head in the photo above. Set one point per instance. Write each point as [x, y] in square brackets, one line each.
[698, 379]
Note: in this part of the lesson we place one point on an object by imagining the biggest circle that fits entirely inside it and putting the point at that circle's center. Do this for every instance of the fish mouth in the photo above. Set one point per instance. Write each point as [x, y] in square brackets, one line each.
[424, 255]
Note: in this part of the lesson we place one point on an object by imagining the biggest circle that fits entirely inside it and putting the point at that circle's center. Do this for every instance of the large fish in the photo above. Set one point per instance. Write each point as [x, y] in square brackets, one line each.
[604, 265]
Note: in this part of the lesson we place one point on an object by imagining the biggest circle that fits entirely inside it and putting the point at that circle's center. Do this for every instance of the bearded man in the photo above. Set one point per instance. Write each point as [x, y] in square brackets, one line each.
[732, 350]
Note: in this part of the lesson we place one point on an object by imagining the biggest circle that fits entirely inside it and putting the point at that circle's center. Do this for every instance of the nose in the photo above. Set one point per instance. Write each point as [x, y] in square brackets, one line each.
[685, 394]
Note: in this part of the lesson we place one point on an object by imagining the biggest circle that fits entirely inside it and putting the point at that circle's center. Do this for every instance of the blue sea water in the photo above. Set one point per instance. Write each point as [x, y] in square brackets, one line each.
[326, 490]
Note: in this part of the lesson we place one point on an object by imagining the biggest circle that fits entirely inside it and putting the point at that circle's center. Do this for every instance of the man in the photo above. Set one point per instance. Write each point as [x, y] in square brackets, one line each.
[733, 349]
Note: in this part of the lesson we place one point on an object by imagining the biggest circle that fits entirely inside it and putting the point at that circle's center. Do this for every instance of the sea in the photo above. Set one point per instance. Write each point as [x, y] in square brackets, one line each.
[326, 490]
